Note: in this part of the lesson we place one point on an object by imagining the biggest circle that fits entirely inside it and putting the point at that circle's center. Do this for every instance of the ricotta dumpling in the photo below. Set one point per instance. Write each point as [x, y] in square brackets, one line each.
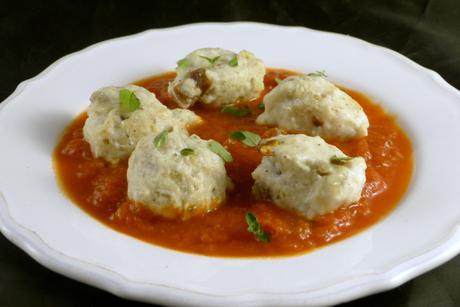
[312, 105]
[307, 175]
[175, 175]
[218, 77]
[113, 131]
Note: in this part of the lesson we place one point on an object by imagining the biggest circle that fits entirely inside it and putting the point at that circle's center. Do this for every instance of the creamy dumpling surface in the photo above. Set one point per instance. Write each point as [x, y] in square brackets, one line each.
[313, 105]
[218, 77]
[307, 175]
[178, 176]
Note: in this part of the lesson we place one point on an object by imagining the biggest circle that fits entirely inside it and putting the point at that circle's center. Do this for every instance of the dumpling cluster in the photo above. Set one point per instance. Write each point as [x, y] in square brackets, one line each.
[162, 178]
[113, 131]
[218, 77]
[302, 172]
[177, 175]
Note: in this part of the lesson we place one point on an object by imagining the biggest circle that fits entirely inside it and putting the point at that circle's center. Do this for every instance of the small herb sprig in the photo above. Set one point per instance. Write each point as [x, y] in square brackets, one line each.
[187, 151]
[183, 63]
[318, 73]
[211, 61]
[255, 228]
[128, 101]
[340, 160]
[161, 139]
[235, 111]
[246, 137]
[234, 61]
[220, 150]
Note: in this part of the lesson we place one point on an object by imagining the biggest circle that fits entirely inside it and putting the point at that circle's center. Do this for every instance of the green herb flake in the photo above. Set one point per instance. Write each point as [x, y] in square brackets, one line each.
[234, 61]
[255, 228]
[128, 101]
[318, 73]
[340, 160]
[182, 64]
[278, 80]
[235, 111]
[238, 135]
[220, 150]
[211, 61]
[246, 137]
[187, 151]
[261, 106]
[161, 139]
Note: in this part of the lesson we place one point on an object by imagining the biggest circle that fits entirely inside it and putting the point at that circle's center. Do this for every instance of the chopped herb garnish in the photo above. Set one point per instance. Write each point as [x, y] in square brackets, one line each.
[246, 137]
[186, 151]
[128, 101]
[210, 60]
[234, 61]
[255, 228]
[235, 111]
[161, 139]
[340, 160]
[238, 135]
[183, 63]
[217, 148]
[261, 106]
[278, 80]
[318, 73]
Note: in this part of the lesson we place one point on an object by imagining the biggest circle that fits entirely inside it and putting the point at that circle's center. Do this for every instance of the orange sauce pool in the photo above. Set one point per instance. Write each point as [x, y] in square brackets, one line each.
[100, 189]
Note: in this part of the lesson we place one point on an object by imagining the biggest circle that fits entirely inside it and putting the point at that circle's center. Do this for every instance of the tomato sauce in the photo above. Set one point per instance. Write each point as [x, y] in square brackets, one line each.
[101, 189]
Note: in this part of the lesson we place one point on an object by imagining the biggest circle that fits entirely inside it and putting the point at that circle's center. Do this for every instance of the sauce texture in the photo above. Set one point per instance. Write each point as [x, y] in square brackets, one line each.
[101, 189]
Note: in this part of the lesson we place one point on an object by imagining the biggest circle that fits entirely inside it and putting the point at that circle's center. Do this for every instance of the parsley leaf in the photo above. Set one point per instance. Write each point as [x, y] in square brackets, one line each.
[220, 150]
[210, 60]
[187, 151]
[161, 139]
[128, 101]
[340, 160]
[318, 73]
[183, 63]
[234, 61]
[235, 111]
[246, 137]
[261, 106]
[255, 228]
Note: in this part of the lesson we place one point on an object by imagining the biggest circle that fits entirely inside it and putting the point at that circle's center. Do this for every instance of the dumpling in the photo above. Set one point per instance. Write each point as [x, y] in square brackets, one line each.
[113, 131]
[177, 177]
[312, 105]
[307, 175]
[218, 77]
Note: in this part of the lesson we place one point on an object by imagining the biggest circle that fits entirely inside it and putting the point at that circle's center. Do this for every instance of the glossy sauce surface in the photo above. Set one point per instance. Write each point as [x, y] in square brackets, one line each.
[100, 189]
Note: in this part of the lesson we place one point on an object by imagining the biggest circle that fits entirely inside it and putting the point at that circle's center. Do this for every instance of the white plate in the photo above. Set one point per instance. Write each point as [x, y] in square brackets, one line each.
[419, 235]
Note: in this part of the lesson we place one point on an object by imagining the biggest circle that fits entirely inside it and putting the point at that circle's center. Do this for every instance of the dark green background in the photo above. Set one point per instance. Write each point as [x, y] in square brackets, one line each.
[35, 34]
